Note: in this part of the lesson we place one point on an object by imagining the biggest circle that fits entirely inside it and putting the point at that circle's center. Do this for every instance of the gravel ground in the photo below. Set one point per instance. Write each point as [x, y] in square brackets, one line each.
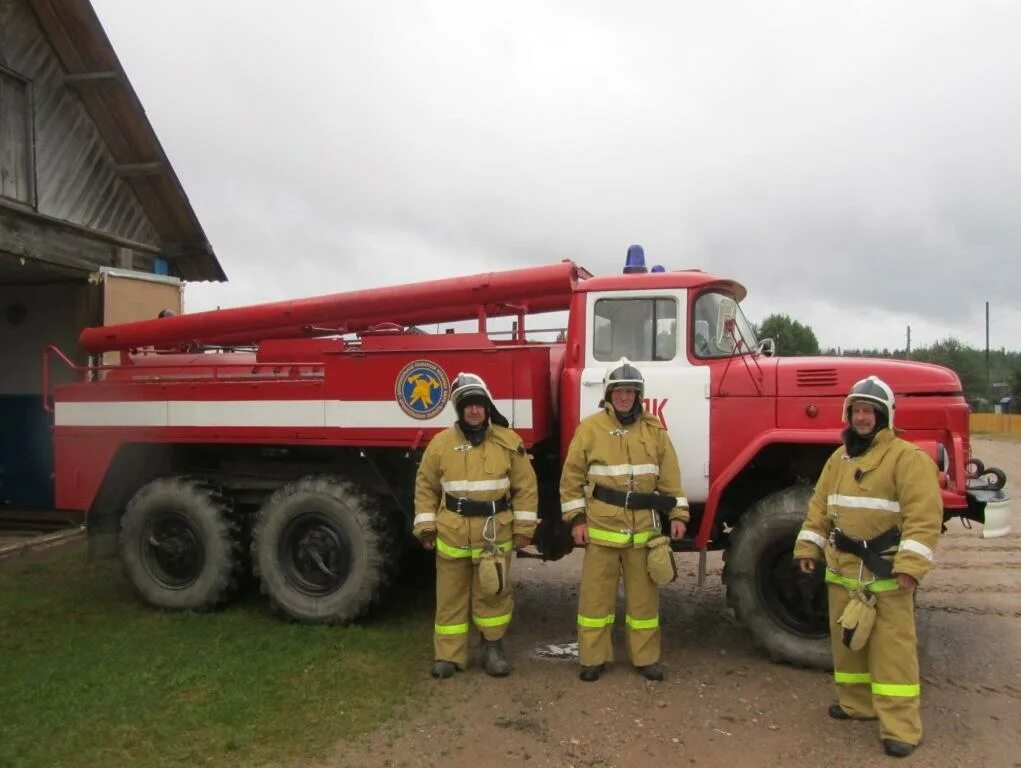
[723, 704]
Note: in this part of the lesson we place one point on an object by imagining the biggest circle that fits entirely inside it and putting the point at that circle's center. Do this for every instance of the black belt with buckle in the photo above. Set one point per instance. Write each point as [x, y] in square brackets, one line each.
[869, 550]
[470, 508]
[633, 499]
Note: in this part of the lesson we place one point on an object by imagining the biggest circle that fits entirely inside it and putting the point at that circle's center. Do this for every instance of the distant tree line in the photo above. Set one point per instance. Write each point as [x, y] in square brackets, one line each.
[791, 337]
[983, 384]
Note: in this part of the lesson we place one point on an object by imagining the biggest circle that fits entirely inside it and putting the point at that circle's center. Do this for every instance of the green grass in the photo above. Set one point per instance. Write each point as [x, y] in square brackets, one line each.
[89, 676]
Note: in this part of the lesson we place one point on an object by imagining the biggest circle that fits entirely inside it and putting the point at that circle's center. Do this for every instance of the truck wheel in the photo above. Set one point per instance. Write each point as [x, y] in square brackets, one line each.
[323, 550]
[784, 610]
[180, 545]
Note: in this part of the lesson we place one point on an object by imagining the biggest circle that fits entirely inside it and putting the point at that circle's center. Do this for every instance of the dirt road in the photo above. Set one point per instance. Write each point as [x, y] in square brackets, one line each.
[723, 704]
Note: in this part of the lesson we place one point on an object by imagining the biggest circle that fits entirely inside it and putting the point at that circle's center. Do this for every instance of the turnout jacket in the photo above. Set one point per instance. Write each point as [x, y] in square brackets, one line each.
[892, 485]
[638, 457]
[497, 468]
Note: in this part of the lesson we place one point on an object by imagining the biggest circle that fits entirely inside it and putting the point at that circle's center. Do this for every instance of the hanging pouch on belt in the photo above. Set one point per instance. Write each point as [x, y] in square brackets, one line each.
[492, 564]
[660, 562]
[857, 619]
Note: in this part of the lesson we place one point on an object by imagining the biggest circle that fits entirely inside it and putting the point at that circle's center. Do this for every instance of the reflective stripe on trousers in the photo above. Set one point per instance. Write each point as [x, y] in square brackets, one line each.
[604, 621]
[492, 621]
[878, 689]
[451, 629]
[619, 537]
[480, 621]
[652, 623]
[462, 552]
[878, 585]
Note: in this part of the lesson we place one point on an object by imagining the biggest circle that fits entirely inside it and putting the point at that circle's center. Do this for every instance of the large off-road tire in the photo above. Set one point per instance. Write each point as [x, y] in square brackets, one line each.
[784, 610]
[180, 545]
[323, 550]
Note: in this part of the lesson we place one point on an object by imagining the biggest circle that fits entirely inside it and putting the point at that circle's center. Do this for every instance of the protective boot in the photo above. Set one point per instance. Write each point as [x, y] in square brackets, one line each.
[652, 672]
[837, 712]
[590, 674]
[493, 660]
[443, 669]
[895, 748]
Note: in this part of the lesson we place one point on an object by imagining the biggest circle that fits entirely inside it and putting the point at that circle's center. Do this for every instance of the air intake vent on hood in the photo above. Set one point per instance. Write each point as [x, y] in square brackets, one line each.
[817, 377]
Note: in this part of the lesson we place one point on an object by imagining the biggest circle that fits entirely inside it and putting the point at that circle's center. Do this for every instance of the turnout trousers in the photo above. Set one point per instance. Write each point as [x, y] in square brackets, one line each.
[597, 601]
[458, 593]
[881, 680]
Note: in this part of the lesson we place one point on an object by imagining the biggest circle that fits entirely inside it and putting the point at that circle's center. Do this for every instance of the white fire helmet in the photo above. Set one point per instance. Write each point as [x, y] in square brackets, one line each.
[871, 390]
[471, 386]
[466, 384]
[623, 374]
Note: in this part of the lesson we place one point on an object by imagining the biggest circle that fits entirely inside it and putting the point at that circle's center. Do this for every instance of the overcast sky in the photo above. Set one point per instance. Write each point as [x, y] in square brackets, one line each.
[855, 164]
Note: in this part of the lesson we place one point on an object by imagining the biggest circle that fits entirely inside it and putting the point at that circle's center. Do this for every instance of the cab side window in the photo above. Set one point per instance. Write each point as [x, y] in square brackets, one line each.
[638, 329]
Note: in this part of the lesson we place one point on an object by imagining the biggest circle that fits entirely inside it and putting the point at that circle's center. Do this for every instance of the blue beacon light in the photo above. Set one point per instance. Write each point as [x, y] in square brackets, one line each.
[658, 268]
[635, 262]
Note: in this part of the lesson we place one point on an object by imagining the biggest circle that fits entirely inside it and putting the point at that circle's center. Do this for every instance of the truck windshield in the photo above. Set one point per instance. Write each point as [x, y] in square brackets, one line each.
[711, 335]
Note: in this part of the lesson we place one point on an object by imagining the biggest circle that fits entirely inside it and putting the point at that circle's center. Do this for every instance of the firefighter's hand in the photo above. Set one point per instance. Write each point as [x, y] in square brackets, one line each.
[905, 582]
[807, 565]
[428, 540]
[677, 529]
[580, 534]
[521, 540]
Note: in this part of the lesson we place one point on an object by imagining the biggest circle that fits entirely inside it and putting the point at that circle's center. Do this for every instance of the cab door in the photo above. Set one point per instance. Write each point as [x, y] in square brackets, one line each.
[648, 328]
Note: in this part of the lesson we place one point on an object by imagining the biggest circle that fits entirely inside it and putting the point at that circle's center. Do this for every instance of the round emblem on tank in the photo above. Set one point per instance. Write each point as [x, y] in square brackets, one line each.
[422, 389]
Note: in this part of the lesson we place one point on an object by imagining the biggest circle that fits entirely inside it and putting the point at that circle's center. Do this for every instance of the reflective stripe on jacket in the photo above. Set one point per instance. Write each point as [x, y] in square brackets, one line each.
[639, 457]
[496, 468]
[892, 485]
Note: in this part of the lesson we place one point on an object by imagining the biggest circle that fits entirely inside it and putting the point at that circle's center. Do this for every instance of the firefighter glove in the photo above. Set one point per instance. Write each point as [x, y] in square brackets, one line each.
[660, 561]
[492, 571]
[857, 620]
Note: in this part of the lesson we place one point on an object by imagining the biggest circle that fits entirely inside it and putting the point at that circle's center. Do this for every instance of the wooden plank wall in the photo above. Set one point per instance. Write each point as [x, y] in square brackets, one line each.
[76, 178]
[996, 424]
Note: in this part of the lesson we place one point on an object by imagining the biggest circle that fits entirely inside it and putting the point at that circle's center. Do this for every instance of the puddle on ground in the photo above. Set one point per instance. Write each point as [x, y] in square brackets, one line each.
[557, 651]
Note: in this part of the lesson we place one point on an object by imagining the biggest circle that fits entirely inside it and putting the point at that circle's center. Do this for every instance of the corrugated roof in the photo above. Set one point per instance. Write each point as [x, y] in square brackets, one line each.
[92, 66]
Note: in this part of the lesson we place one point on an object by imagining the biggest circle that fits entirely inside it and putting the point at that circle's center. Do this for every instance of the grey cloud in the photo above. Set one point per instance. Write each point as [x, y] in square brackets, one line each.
[788, 145]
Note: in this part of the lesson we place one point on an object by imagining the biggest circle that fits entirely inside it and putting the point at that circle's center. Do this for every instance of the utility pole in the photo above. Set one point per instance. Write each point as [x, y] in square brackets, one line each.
[987, 344]
[907, 353]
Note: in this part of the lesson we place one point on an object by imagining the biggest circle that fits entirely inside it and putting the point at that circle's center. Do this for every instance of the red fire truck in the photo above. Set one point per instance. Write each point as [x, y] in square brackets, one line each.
[285, 437]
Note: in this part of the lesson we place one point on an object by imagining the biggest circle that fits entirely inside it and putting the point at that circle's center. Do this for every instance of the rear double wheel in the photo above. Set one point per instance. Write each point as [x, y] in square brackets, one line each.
[324, 550]
[180, 545]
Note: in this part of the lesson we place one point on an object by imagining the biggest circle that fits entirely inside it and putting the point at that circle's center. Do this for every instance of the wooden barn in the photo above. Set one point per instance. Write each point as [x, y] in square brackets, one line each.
[95, 226]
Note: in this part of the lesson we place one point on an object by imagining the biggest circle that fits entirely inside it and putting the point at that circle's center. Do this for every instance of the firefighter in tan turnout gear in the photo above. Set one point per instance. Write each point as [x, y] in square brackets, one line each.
[475, 501]
[875, 517]
[627, 458]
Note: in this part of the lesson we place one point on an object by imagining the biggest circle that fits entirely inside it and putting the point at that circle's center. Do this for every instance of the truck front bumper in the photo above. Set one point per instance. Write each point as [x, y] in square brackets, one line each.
[992, 509]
